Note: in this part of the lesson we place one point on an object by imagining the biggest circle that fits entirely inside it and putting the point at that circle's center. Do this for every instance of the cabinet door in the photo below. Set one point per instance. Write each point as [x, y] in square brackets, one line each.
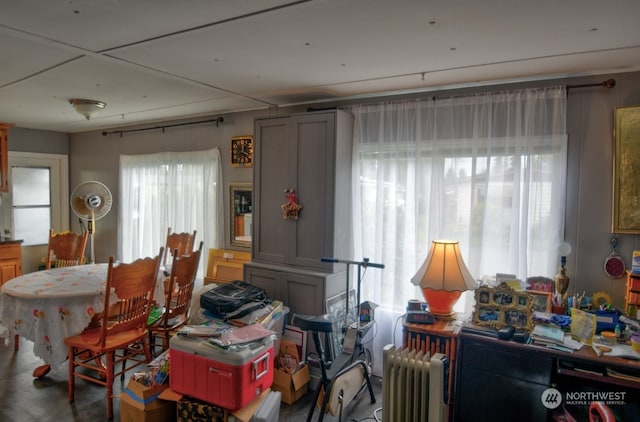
[313, 136]
[497, 381]
[271, 176]
[303, 294]
[309, 153]
[9, 269]
[270, 281]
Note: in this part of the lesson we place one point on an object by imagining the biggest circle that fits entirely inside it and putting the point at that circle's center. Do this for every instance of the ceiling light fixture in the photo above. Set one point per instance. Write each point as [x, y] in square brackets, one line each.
[87, 108]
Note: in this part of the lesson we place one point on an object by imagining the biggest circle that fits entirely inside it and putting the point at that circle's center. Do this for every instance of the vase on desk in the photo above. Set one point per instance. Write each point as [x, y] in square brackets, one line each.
[559, 301]
[561, 279]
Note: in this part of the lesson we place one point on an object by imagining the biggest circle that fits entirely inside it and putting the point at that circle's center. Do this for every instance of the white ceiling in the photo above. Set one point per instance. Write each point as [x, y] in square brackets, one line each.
[157, 60]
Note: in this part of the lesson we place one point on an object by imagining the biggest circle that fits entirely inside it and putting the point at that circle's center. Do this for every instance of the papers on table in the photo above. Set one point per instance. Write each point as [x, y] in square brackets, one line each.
[212, 328]
[554, 337]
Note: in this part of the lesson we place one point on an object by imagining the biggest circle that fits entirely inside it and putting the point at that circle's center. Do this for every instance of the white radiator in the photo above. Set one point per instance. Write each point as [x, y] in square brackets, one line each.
[413, 385]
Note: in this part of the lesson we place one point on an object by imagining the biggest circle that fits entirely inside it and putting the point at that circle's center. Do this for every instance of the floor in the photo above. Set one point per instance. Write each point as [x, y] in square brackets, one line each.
[25, 399]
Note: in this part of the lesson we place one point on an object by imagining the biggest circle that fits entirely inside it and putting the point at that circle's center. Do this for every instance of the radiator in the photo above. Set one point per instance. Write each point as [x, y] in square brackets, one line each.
[414, 385]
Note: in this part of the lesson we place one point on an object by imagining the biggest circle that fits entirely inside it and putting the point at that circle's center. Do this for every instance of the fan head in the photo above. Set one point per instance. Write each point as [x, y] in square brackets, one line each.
[91, 200]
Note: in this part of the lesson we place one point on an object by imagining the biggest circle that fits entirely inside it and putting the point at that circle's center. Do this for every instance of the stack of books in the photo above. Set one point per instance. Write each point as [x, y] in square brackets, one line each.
[547, 335]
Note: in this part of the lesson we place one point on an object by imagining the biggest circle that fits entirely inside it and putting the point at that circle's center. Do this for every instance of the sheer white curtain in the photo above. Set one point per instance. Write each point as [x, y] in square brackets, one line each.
[181, 190]
[487, 170]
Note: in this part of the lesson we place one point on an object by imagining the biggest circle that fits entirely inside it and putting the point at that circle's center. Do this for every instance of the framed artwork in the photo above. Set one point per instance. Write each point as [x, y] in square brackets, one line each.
[540, 284]
[523, 300]
[502, 305]
[298, 337]
[518, 318]
[541, 301]
[337, 309]
[626, 167]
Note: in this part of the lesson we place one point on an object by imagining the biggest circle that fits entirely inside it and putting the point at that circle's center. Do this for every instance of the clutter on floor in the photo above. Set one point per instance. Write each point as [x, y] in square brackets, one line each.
[221, 365]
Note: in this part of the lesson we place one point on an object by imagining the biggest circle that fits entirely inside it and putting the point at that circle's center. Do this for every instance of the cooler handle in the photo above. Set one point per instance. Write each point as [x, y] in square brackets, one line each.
[266, 366]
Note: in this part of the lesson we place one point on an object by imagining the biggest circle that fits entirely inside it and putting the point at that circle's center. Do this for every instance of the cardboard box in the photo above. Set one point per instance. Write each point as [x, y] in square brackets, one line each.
[193, 410]
[246, 413]
[139, 403]
[189, 409]
[292, 386]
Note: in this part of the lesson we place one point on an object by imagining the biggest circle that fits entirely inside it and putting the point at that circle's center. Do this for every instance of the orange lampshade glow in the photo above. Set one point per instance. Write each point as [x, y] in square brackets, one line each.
[443, 277]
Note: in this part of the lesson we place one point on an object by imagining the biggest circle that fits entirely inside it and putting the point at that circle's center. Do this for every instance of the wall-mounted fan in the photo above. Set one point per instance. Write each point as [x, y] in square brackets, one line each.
[91, 201]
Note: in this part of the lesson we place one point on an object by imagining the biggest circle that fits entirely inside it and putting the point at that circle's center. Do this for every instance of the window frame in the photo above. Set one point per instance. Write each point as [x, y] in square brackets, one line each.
[59, 186]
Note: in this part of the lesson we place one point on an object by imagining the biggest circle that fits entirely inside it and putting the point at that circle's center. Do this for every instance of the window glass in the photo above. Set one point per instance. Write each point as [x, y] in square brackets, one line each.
[32, 225]
[31, 186]
[31, 204]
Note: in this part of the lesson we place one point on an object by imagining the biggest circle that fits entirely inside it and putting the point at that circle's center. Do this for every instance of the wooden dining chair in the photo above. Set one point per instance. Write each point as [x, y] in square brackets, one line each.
[66, 249]
[182, 242]
[184, 269]
[120, 337]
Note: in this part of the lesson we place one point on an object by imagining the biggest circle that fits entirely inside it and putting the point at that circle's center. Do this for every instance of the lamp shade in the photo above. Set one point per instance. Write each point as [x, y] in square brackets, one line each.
[443, 276]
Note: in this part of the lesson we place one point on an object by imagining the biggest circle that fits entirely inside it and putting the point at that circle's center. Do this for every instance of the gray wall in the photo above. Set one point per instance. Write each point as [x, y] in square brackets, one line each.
[93, 156]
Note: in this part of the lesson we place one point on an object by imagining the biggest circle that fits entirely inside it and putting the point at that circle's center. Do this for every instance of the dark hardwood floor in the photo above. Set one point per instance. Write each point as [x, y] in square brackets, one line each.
[25, 399]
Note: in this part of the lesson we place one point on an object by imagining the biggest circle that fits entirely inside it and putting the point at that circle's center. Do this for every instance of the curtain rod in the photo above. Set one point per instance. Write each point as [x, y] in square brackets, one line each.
[218, 120]
[609, 83]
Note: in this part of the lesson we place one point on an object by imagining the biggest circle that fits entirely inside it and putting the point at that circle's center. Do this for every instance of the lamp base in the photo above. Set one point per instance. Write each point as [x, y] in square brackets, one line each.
[440, 302]
[444, 317]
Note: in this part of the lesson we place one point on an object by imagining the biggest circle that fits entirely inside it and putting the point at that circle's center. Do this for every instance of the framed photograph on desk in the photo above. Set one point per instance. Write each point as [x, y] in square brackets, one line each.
[541, 301]
[500, 306]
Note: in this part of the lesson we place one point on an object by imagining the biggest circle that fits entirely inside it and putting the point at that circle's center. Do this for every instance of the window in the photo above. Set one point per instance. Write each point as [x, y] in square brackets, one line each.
[31, 204]
[486, 170]
[178, 190]
[38, 196]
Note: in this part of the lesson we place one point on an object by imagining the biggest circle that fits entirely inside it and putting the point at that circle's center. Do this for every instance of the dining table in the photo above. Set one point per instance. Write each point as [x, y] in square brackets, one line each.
[49, 305]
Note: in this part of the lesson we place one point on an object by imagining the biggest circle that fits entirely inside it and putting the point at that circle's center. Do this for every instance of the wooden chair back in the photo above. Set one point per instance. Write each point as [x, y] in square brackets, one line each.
[132, 286]
[66, 249]
[117, 343]
[182, 281]
[182, 242]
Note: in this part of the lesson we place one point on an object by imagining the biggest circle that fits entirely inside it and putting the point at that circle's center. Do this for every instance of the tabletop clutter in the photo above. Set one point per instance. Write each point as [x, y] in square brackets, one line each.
[230, 363]
[551, 317]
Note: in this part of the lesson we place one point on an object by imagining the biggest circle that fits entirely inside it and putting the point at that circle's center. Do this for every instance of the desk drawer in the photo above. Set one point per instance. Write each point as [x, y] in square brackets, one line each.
[505, 361]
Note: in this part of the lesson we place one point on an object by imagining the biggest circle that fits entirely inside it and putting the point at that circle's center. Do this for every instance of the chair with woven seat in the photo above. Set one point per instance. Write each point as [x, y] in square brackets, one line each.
[120, 337]
[66, 249]
[184, 269]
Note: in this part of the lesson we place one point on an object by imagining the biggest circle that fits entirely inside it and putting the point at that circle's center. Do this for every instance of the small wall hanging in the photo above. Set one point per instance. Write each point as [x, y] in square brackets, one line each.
[291, 209]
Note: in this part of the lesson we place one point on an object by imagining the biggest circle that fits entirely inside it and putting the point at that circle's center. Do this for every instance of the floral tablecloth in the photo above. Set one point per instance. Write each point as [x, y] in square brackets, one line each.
[47, 306]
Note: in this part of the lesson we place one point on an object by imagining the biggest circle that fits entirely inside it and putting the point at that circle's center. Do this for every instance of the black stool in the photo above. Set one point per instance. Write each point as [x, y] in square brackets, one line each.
[330, 371]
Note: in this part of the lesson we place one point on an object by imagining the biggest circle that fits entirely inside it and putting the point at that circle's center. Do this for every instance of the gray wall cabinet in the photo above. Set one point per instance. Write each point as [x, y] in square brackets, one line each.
[310, 154]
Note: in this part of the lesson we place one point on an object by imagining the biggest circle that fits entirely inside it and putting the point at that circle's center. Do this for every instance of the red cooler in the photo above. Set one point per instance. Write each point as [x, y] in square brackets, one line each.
[230, 378]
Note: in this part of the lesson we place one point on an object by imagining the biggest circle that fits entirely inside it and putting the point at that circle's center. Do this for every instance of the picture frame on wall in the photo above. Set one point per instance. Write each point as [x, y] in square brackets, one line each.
[626, 167]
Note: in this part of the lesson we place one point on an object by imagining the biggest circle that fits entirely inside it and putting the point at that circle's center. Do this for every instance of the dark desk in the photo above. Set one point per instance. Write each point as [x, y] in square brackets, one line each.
[501, 380]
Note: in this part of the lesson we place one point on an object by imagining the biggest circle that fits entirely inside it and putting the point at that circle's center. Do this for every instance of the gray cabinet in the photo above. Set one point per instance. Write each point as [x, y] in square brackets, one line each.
[311, 154]
[302, 291]
[308, 153]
